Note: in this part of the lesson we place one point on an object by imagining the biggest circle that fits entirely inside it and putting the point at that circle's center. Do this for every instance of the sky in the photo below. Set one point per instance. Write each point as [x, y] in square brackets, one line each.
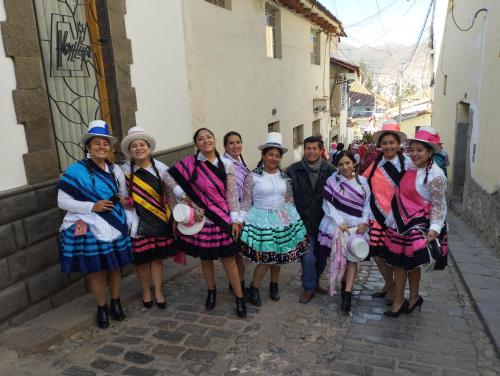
[392, 21]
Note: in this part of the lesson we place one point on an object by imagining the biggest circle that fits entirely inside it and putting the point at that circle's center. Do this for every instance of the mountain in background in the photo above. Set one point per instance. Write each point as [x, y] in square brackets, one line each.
[383, 64]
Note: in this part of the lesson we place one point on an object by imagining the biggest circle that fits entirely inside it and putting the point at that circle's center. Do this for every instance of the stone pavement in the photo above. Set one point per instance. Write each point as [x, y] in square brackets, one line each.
[280, 338]
[479, 268]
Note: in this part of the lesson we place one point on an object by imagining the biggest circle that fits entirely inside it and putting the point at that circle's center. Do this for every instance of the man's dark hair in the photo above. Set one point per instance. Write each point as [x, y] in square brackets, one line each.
[340, 146]
[311, 139]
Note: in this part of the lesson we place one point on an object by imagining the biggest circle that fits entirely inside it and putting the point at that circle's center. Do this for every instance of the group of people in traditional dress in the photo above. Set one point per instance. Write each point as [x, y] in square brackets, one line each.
[214, 207]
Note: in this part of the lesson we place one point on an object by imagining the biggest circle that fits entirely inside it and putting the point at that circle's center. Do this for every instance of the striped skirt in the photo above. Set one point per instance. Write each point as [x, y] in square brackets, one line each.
[208, 244]
[410, 251]
[273, 236]
[377, 239]
[86, 254]
[148, 249]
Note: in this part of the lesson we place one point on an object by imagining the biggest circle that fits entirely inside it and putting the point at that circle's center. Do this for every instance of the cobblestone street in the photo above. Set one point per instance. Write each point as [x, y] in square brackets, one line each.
[283, 338]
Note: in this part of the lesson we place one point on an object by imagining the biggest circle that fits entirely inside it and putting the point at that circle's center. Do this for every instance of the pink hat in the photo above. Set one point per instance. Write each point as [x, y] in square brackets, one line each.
[428, 135]
[390, 126]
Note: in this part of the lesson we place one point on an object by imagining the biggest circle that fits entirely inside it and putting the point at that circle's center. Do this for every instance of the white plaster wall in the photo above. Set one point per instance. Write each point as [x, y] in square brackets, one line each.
[234, 86]
[470, 60]
[159, 70]
[13, 141]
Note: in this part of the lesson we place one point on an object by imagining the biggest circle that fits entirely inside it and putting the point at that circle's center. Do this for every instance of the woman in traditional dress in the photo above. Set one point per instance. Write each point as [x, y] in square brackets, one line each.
[346, 203]
[149, 215]
[273, 232]
[417, 219]
[208, 183]
[383, 176]
[94, 234]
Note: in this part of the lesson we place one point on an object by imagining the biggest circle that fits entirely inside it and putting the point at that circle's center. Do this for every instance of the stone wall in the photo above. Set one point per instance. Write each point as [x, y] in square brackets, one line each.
[482, 210]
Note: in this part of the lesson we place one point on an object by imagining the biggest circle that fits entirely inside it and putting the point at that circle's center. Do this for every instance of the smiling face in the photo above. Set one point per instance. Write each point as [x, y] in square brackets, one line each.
[205, 141]
[98, 148]
[312, 152]
[139, 150]
[233, 146]
[420, 153]
[346, 166]
[389, 143]
[271, 158]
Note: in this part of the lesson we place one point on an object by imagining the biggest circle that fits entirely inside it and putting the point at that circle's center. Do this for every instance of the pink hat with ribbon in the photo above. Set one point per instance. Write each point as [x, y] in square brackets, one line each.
[428, 135]
[389, 126]
[185, 217]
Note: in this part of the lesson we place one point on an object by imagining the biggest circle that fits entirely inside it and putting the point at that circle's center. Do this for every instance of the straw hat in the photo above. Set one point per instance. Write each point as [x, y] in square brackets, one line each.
[98, 128]
[136, 133]
[273, 140]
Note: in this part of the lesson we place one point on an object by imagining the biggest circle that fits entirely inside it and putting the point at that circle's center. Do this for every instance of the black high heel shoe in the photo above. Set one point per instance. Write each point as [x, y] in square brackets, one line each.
[401, 309]
[274, 292]
[160, 305]
[241, 307]
[102, 316]
[210, 302]
[147, 304]
[254, 296]
[117, 310]
[418, 304]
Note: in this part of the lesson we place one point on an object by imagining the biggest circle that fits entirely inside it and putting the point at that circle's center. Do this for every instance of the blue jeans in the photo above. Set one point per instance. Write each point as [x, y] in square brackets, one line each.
[313, 264]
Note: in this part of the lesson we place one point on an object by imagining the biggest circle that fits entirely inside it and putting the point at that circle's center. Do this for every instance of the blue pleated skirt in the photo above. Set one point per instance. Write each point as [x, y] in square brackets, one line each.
[86, 254]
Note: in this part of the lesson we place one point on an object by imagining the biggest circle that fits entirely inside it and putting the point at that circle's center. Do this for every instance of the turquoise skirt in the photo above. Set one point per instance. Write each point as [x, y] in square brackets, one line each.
[273, 236]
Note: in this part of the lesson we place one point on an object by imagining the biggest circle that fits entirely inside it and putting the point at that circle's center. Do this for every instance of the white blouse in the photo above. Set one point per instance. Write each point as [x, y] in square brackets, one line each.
[266, 191]
[334, 217]
[433, 193]
[132, 217]
[82, 210]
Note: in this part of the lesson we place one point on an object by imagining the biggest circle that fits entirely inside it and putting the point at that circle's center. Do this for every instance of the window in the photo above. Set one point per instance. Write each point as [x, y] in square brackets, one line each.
[273, 32]
[298, 136]
[221, 3]
[273, 127]
[316, 127]
[316, 47]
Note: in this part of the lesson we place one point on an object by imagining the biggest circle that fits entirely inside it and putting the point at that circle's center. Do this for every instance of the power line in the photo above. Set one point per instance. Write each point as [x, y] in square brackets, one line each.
[473, 20]
[362, 21]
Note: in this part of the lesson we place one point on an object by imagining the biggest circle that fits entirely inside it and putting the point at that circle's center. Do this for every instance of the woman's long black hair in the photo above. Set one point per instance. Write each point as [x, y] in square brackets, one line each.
[220, 164]
[226, 141]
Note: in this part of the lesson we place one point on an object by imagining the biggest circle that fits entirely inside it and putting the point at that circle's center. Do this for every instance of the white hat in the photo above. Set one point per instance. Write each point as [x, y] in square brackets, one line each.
[357, 245]
[184, 215]
[273, 140]
[428, 135]
[390, 126]
[136, 133]
[98, 128]
[355, 146]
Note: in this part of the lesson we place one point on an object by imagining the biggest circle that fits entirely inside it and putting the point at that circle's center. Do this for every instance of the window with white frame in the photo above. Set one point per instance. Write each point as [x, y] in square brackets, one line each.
[273, 32]
[316, 47]
[298, 136]
[221, 3]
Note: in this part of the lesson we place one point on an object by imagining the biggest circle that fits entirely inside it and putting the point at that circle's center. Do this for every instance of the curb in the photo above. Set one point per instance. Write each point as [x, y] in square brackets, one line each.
[61, 323]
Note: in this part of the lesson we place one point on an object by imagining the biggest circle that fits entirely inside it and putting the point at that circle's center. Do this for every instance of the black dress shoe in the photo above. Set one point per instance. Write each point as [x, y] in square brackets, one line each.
[241, 307]
[117, 310]
[418, 304]
[346, 302]
[210, 302]
[102, 316]
[401, 309]
[254, 296]
[274, 292]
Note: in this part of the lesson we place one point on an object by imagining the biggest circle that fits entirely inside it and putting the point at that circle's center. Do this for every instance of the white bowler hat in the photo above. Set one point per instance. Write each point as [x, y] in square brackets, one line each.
[273, 140]
[136, 133]
[357, 246]
[184, 215]
[98, 128]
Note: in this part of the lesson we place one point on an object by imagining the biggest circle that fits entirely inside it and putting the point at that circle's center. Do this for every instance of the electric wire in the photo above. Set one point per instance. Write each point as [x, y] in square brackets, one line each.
[473, 20]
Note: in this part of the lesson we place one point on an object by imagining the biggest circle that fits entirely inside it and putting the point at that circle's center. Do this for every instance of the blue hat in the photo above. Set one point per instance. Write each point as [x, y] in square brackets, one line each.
[98, 128]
